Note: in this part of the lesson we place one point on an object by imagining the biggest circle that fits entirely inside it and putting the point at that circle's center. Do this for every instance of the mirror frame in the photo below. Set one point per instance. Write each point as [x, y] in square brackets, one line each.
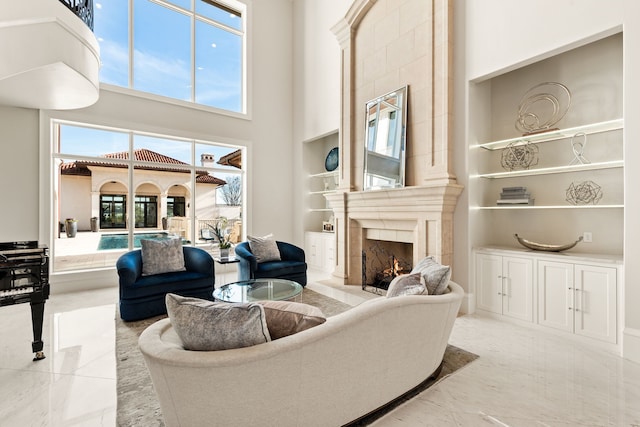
[382, 165]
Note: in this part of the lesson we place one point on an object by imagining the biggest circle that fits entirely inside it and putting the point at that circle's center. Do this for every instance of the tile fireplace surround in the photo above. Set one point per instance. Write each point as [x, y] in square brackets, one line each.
[421, 215]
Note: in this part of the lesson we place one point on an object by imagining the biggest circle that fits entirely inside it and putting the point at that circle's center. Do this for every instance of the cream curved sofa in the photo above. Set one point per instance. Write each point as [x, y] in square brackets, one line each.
[328, 375]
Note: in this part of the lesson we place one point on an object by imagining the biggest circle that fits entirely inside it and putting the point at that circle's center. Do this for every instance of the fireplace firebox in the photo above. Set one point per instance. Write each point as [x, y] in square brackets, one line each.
[382, 261]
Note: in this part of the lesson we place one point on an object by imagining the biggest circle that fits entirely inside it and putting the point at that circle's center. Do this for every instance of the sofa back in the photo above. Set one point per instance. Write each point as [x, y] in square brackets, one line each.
[331, 374]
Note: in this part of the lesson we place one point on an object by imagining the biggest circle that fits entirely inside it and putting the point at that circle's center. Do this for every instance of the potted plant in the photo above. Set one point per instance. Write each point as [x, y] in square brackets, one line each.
[71, 227]
[221, 232]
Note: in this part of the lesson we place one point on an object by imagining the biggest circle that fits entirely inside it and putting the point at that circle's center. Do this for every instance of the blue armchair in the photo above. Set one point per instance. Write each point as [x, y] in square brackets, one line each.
[292, 265]
[142, 297]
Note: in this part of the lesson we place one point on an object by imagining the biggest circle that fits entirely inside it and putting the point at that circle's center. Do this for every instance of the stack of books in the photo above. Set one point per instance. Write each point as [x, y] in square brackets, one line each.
[515, 196]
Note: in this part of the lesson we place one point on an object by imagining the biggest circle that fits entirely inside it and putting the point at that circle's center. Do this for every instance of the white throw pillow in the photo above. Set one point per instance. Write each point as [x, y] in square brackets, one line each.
[204, 325]
[264, 248]
[407, 284]
[436, 275]
[162, 256]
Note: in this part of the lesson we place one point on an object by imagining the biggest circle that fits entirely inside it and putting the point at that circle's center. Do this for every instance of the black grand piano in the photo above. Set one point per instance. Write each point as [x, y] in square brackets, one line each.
[24, 277]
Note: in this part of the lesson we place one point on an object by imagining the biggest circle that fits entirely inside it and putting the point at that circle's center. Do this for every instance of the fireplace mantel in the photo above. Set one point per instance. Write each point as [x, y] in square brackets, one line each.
[421, 215]
[385, 45]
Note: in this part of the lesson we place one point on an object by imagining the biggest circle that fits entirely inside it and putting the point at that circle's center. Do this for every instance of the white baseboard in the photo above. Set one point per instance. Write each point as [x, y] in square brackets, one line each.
[76, 281]
[468, 305]
[631, 344]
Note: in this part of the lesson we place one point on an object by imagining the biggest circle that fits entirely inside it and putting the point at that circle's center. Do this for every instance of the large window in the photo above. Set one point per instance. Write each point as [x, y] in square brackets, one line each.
[122, 186]
[190, 50]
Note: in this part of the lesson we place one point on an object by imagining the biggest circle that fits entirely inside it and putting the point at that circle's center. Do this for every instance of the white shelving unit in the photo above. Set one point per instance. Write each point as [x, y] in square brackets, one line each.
[592, 127]
[554, 135]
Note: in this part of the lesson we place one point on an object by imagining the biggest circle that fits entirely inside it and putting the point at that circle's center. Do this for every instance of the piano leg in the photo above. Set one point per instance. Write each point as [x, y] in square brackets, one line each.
[37, 318]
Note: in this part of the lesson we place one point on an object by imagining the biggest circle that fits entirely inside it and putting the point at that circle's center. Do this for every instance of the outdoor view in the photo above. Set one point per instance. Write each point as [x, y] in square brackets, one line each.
[108, 180]
[114, 187]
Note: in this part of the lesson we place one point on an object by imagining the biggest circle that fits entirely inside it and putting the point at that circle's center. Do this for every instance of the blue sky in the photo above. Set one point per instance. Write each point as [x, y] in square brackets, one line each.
[162, 51]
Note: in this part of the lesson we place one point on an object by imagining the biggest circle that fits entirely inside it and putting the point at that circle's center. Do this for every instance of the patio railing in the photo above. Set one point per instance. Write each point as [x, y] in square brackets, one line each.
[83, 9]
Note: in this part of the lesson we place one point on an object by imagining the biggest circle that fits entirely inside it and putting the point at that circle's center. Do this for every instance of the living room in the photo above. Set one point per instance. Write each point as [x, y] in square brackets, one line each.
[294, 56]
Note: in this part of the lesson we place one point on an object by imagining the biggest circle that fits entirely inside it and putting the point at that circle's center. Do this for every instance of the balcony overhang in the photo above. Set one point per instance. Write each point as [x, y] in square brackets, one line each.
[50, 58]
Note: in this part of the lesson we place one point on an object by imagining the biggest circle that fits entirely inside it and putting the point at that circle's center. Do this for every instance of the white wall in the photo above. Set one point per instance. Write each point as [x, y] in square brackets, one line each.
[268, 134]
[316, 83]
[500, 36]
[19, 174]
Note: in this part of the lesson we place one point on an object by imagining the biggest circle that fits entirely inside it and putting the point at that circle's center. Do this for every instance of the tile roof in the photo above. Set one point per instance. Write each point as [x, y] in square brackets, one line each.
[232, 159]
[80, 167]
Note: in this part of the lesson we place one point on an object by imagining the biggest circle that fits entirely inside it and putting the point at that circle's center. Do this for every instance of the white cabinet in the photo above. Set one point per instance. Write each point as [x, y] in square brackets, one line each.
[505, 285]
[320, 250]
[578, 298]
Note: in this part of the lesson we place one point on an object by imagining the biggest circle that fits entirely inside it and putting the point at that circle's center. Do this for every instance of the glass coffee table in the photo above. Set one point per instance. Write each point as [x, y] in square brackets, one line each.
[259, 290]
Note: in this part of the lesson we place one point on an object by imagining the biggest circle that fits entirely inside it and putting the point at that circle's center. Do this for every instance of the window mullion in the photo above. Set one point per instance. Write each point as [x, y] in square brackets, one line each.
[193, 54]
[130, 42]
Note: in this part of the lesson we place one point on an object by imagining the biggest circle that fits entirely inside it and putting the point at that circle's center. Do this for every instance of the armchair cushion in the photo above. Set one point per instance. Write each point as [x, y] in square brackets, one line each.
[264, 248]
[161, 256]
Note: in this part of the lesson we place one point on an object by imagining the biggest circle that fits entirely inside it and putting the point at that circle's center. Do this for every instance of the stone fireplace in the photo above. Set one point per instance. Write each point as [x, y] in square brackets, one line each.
[420, 216]
[386, 44]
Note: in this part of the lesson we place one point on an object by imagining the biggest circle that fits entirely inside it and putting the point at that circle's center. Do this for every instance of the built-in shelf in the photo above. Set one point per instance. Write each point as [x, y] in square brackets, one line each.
[324, 174]
[554, 170]
[322, 192]
[548, 207]
[321, 210]
[555, 135]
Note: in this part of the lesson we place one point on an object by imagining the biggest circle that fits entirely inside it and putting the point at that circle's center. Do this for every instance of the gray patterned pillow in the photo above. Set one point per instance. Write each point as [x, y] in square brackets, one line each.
[264, 248]
[207, 325]
[407, 284]
[162, 256]
[435, 275]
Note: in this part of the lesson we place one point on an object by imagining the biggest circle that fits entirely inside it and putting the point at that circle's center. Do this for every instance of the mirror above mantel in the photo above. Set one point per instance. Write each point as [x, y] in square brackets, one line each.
[384, 144]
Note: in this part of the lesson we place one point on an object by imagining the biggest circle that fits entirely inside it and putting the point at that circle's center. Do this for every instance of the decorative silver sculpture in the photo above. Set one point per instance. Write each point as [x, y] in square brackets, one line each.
[542, 107]
[519, 156]
[545, 247]
[578, 147]
[584, 193]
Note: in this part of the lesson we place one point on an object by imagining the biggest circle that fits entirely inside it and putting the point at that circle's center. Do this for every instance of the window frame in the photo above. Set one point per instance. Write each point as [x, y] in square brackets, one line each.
[48, 180]
[246, 68]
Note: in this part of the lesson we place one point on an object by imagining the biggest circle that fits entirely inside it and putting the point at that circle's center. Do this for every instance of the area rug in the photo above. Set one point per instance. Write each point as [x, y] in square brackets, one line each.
[137, 402]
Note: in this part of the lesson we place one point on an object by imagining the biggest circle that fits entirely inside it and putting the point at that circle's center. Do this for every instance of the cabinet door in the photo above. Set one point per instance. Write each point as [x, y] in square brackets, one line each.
[595, 302]
[555, 295]
[329, 252]
[517, 288]
[489, 282]
[313, 250]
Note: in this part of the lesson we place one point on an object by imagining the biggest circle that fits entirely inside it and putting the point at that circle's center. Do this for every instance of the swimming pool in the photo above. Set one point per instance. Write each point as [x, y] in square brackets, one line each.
[120, 241]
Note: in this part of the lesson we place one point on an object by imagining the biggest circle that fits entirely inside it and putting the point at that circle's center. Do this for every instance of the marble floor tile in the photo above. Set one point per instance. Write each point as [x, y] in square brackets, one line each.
[524, 376]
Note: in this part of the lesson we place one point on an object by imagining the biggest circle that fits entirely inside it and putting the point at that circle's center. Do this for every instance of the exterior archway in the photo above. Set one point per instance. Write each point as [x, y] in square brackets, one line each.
[146, 206]
[112, 206]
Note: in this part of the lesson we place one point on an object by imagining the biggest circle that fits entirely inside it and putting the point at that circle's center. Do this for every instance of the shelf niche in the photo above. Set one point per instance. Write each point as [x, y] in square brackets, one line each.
[593, 74]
